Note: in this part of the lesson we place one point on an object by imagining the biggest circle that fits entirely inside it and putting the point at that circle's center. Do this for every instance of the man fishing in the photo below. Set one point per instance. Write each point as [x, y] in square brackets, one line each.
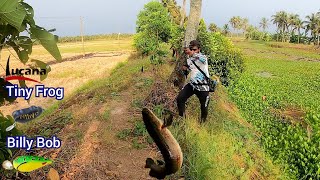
[197, 84]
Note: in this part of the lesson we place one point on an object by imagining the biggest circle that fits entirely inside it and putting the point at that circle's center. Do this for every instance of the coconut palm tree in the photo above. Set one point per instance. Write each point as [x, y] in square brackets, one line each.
[317, 30]
[264, 23]
[312, 25]
[235, 22]
[250, 32]
[298, 26]
[292, 19]
[276, 20]
[213, 27]
[283, 23]
[226, 29]
[244, 24]
[280, 19]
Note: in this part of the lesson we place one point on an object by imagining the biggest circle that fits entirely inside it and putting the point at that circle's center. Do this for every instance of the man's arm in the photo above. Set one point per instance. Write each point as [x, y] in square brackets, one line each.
[185, 68]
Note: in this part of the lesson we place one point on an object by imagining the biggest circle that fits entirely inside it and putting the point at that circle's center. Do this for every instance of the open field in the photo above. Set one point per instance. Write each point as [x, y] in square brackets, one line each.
[279, 94]
[72, 74]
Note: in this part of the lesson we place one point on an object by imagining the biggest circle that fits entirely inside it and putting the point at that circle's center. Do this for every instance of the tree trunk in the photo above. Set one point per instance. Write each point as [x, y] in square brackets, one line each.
[193, 21]
[183, 13]
[283, 31]
[177, 77]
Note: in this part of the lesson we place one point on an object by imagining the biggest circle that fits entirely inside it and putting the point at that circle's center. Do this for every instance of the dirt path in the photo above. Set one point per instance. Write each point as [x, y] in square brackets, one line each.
[91, 148]
[102, 155]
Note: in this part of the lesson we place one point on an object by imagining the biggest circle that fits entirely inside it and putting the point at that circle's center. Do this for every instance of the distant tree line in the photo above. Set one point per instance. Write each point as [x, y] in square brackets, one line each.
[289, 28]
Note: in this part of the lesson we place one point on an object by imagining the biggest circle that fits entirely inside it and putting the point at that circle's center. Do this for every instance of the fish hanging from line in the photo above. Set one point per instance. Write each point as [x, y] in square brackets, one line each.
[30, 163]
[27, 114]
[168, 145]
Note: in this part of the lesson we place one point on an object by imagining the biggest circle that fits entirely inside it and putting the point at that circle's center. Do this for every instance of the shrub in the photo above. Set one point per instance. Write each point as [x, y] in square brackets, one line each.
[224, 59]
[145, 43]
[254, 34]
[153, 29]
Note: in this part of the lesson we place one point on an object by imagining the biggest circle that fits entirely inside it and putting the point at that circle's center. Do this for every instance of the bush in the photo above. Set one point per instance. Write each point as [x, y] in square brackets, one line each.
[255, 34]
[158, 56]
[154, 21]
[153, 30]
[303, 39]
[145, 43]
[224, 59]
[177, 36]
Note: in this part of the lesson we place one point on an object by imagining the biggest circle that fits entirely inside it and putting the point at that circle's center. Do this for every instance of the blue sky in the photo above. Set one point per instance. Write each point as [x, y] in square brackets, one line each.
[106, 16]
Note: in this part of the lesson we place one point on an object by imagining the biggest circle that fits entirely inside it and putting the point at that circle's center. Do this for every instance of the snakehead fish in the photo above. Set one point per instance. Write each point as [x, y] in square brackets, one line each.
[169, 147]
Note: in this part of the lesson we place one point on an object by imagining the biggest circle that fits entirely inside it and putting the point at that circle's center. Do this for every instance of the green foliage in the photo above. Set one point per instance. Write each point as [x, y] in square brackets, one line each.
[174, 10]
[254, 34]
[298, 39]
[16, 17]
[223, 147]
[292, 140]
[5, 153]
[213, 27]
[153, 30]
[225, 60]
[159, 55]
[289, 25]
[177, 36]
[154, 19]
[145, 43]
[16, 20]
[4, 96]
[124, 134]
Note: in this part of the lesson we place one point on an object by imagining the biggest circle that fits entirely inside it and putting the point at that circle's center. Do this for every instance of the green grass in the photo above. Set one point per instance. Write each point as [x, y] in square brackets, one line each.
[209, 149]
[106, 114]
[93, 37]
[221, 148]
[124, 134]
[294, 84]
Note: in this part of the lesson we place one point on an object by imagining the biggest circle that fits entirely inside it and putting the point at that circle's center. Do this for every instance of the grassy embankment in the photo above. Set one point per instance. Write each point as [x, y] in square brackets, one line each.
[226, 147]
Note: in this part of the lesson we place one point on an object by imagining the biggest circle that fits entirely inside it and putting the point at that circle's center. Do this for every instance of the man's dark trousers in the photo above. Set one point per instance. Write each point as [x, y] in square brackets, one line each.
[186, 93]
